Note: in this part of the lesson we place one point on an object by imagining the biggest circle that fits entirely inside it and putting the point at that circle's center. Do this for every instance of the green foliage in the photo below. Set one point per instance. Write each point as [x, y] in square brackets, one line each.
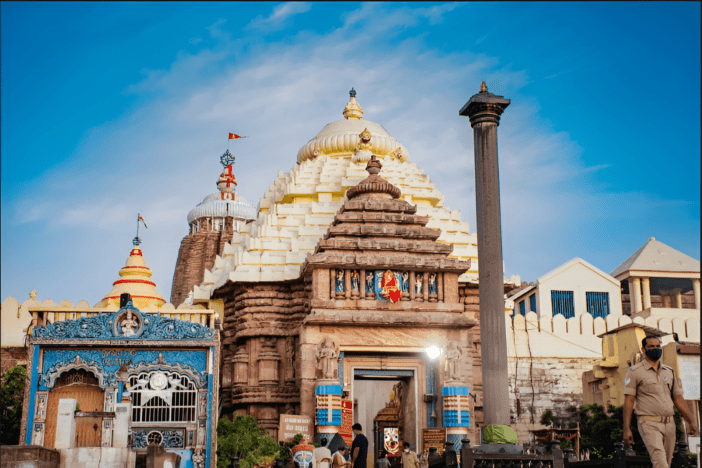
[547, 418]
[243, 438]
[11, 393]
[599, 430]
[285, 449]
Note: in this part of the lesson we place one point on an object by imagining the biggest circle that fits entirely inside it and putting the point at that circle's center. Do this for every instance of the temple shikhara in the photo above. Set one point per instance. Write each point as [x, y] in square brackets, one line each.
[350, 294]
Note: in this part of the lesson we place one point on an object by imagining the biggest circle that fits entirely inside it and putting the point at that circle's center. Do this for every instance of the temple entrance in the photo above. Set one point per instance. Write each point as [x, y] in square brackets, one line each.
[385, 405]
[83, 386]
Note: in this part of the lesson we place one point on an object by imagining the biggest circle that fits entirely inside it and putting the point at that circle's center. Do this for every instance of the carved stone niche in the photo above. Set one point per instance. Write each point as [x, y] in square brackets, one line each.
[268, 362]
[241, 366]
[289, 364]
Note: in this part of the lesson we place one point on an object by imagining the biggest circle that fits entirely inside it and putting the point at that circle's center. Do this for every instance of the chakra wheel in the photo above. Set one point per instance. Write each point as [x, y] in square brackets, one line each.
[155, 438]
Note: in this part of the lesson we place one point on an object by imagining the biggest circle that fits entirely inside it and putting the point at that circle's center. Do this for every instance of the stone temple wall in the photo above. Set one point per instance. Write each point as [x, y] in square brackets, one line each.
[260, 362]
[197, 253]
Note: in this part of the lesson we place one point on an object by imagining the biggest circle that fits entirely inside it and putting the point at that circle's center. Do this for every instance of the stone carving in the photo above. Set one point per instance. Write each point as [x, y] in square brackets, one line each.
[105, 379]
[418, 292]
[198, 458]
[328, 357]
[339, 286]
[453, 358]
[129, 324]
[38, 434]
[290, 360]
[405, 282]
[117, 325]
[33, 294]
[432, 283]
[355, 282]
[369, 283]
[170, 439]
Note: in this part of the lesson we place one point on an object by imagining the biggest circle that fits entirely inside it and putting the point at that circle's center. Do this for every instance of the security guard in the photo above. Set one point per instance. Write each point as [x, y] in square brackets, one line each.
[654, 388]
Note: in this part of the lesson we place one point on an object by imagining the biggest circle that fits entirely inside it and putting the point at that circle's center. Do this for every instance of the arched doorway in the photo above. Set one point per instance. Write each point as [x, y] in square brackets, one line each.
[83, 386]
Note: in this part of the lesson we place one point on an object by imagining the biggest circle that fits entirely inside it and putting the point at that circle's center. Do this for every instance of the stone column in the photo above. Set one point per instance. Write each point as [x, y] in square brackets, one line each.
[678, 298]
[123, 412]
[635, 295]
[696, 292]
[646, 288]
[484, 110]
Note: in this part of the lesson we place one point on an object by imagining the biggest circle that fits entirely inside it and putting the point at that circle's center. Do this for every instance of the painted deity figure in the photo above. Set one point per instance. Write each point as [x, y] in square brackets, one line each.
[432, 283]
[198, 458]
[389, 287]
[326, 353]
[339, 280]
[355, 280]
[405, 281]
[418, 284]
[453, 356]
[129, 325]
[369, 282]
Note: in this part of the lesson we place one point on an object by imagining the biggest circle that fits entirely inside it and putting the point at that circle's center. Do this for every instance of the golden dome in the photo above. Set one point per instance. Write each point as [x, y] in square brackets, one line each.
[341, 138]
[135, 280]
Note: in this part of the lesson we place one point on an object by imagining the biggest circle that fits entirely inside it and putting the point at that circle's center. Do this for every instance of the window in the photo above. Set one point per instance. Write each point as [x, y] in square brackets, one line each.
[597, 303]
[522, 308]
[562, 303]
[162, 397]
[532, 303]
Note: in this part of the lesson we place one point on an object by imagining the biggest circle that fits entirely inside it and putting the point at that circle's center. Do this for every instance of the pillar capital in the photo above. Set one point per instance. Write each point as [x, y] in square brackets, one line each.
[484, 107]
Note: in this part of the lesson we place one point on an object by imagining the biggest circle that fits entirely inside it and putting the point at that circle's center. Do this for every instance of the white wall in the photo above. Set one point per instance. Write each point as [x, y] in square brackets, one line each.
[579, 278]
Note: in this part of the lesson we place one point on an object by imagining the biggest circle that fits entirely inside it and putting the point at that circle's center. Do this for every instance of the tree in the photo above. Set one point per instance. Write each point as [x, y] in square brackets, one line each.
[243, 438]
[599, 430]
[11, 393]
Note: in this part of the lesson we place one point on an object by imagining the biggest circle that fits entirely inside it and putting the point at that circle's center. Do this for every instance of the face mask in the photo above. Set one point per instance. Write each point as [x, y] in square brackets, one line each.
[654, 354]
[406, 450]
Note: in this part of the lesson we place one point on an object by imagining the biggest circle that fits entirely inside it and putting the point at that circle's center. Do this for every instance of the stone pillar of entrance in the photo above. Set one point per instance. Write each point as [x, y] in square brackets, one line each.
[66, 424]
[696, 292]
[328, 410]
[484, 110]
[646, 289]
[456, 413]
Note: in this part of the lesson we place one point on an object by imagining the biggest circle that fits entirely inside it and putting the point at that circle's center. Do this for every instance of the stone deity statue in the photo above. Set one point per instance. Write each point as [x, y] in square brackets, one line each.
[405, 281]
[355, 280]
[327, 355]
[369, 282]
[453, 357]
[432, 283]
[418, 284]
[339, 281]
[129, 325]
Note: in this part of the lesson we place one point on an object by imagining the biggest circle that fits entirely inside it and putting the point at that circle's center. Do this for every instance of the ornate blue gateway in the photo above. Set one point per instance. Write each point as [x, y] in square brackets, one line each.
[127, 323]
[158, 370]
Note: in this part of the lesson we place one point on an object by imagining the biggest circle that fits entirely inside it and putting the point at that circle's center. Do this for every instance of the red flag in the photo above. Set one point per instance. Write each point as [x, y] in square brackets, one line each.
[234, 136]
[142, 220]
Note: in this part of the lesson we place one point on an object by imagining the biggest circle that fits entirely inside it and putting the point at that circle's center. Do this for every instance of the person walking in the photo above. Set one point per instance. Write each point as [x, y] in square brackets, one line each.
[322, 455]
[359, 447]
[654, 389]
[409, 458]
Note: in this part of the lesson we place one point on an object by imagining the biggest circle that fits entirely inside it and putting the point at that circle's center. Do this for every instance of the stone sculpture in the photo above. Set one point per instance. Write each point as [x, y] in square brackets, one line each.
[327, 355]
[453, 357]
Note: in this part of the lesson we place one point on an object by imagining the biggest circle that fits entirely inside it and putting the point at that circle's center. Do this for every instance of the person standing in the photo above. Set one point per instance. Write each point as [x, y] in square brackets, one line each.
[339, 458]
[359, 447]
[655, 390]
[409, 458]
[322, 455]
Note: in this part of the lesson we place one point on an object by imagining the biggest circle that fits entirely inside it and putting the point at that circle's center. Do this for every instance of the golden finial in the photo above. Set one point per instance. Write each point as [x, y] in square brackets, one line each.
[353, 110]
[483, 87]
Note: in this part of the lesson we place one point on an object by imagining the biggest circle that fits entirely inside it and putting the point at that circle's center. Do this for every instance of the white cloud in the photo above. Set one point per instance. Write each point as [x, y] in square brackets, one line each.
[280, 13]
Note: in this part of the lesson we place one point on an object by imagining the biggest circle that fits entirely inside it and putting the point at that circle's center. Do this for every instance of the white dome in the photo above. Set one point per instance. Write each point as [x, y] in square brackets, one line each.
[214, 207]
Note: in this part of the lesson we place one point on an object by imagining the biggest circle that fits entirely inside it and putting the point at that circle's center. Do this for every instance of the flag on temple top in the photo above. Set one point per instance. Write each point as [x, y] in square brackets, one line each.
[142, 220]
[234, 136]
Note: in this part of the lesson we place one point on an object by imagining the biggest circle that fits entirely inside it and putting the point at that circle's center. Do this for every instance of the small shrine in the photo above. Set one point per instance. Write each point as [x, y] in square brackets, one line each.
[131, 373]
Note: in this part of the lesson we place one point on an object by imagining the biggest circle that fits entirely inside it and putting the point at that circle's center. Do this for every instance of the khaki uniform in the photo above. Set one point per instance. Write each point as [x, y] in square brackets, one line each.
[654, 392]
[409, 460]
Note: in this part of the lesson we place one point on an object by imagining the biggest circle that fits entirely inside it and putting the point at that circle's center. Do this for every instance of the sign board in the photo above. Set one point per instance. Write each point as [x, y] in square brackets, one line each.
[689, 366]
[433, 437]
[345, 430]
[291, 425]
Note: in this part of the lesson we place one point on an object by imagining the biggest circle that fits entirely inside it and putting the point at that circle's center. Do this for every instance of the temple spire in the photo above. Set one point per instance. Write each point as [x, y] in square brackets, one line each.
[353, 110]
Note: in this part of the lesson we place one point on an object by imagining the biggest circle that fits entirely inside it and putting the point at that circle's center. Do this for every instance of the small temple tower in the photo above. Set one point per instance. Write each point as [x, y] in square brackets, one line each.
[212, 224]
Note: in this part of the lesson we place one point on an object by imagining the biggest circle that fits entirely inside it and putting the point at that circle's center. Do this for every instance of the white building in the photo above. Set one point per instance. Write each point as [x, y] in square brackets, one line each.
[572, 289]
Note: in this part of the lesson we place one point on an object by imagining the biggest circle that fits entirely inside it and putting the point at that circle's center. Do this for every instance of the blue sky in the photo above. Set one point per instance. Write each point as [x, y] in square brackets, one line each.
[109, 109]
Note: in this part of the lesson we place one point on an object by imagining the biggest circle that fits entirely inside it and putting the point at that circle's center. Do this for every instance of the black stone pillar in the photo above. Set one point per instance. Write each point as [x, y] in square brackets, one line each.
[483, 110]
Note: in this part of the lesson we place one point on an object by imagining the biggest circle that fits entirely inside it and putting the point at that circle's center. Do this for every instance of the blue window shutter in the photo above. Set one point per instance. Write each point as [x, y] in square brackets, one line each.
[532, 303]
[597, 303]
[522, 307]
[562, 303]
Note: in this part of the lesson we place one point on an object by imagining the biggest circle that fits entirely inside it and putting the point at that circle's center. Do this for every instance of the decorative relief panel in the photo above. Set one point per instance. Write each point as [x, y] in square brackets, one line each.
[171, 438]
[127, 323]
